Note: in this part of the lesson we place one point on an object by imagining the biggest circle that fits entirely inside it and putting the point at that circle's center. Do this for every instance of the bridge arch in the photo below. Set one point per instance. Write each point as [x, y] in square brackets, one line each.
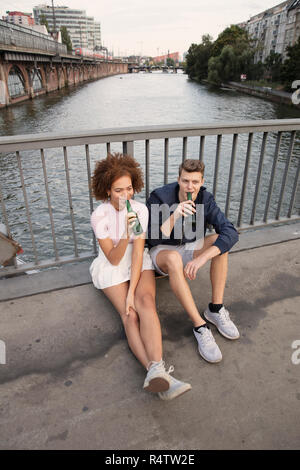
[16, 82]
[36, 79]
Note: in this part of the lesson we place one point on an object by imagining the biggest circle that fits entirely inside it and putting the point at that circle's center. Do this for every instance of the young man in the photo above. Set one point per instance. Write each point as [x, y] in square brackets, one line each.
[181, 257]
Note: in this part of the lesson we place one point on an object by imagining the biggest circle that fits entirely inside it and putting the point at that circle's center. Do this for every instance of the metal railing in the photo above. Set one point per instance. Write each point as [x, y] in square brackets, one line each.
[282, 172]
[20, 36]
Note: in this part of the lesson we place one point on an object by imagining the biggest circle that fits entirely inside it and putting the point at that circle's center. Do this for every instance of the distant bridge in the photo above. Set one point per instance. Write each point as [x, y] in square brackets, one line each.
[135, 68]
[31, 64]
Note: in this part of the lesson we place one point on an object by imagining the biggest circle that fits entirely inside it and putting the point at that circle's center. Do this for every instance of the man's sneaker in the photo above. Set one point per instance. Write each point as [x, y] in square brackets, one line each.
[176, 389]
[207, 346]
[222, 321]
[157, 378]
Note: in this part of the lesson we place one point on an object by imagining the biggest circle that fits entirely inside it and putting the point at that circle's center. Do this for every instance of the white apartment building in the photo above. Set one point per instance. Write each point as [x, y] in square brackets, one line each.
[274, 29]
[84, 31]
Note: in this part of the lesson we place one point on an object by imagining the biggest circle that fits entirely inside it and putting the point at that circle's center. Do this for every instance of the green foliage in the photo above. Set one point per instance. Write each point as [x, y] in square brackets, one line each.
[65, 37]
[170, 62]
[224, 67]
[273, 66]
[232, 54]
[232, 36]
[43, 20]
[290, 70]
[197, 58]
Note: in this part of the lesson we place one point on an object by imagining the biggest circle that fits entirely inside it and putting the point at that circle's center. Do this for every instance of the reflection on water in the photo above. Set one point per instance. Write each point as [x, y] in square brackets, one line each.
[128, 101]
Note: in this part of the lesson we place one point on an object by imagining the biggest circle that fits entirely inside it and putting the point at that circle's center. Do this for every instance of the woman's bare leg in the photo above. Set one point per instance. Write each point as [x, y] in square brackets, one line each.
[150, 329]
[117, 295]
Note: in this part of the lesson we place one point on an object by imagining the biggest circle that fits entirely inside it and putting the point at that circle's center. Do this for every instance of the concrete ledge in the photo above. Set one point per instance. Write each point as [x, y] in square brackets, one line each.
[77, 274]
[70, 382]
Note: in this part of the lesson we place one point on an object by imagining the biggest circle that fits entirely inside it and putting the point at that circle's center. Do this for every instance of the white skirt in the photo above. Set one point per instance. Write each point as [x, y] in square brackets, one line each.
[104, 274]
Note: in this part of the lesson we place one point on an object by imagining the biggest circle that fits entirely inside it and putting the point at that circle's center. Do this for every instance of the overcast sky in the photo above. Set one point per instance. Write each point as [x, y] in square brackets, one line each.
[153, 27]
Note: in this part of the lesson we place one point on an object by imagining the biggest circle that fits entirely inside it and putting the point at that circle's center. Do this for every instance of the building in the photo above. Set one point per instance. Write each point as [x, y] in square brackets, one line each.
[274, 29]
[20, 18]
[83, 30]
[163, 58]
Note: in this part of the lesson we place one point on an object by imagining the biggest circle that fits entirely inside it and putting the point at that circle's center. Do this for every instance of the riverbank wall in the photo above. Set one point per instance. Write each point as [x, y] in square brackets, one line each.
[20, 81]
[277, 96]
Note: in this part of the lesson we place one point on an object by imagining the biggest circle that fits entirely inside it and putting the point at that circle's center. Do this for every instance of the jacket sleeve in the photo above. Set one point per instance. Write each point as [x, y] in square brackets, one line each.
[228, 235]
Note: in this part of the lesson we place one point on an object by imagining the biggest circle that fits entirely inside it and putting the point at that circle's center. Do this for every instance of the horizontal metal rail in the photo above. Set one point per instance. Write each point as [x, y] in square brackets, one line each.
[128, 136]
[21, 36]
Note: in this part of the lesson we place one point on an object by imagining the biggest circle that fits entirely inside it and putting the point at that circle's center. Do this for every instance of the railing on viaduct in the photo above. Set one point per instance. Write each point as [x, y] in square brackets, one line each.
[252, 168]
[20, 36]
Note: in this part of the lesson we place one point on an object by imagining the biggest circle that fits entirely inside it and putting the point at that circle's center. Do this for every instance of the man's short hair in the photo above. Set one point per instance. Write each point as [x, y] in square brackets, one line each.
[191, 165]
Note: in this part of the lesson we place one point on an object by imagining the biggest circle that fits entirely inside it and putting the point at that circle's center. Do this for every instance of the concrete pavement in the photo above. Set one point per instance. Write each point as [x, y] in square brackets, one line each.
[70, 381]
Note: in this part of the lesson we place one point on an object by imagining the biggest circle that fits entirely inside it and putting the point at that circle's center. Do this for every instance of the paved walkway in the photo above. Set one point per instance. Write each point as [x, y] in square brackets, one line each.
[70, 381]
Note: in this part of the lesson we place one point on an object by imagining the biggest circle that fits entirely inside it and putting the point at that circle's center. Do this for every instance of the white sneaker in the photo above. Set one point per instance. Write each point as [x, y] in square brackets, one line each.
[207, 346]
[222, 321]
[157, 378]
[176, 389]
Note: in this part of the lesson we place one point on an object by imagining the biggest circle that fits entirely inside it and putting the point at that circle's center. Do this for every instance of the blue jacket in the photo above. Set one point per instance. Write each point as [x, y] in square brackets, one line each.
[168, 194]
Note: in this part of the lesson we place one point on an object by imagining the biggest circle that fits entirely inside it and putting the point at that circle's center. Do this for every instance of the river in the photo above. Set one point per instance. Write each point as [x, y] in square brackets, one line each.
[125, 101]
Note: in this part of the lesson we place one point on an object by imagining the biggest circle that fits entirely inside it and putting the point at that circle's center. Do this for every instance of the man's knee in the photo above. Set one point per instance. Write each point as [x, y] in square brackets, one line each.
[173, 260]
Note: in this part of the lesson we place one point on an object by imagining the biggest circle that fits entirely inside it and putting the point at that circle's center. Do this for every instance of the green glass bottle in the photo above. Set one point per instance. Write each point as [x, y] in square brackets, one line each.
[137, 228]
[194, 215]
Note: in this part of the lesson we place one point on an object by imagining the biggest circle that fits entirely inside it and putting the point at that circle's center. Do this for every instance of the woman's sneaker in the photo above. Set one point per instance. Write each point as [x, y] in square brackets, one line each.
[207, 346]
[157, 378]
[222, 321]
[176, 389]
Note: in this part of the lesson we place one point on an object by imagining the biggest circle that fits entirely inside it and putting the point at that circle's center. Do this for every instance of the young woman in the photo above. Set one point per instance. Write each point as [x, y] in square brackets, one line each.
[123, 269]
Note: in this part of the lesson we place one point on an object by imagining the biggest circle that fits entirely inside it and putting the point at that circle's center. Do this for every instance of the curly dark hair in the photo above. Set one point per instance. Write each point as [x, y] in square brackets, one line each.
[111, 168]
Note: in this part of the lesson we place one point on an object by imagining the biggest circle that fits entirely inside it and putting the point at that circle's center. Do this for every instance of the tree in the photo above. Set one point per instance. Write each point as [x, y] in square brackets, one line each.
[197, 58]
[43, 20]
[273, 66]
[65, 37]
[170, 62]
[224, 67]
[232, 55]
[232, 36]
[290, 70]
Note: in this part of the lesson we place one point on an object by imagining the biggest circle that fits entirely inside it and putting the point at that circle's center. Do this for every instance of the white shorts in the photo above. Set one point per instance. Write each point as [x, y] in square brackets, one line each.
[186, 252]
[104, 274]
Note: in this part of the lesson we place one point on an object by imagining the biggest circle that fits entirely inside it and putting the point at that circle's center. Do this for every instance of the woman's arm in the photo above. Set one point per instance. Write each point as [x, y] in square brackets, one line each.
[115, 254]
[136, 262]
[136, 268]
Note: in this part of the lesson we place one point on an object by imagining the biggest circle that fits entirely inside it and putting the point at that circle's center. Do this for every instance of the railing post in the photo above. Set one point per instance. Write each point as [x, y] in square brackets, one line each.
[27, 207]
[147, 152]
[291, 146]
[257, 186]
[278, 141]
[233, 153]
[244, 187]
[128, 148]
[219, 142]
[166, 161]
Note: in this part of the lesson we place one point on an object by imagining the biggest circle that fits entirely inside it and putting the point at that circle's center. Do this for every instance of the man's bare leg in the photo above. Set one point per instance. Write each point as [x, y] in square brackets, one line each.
[218, 270]
[170, 262]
